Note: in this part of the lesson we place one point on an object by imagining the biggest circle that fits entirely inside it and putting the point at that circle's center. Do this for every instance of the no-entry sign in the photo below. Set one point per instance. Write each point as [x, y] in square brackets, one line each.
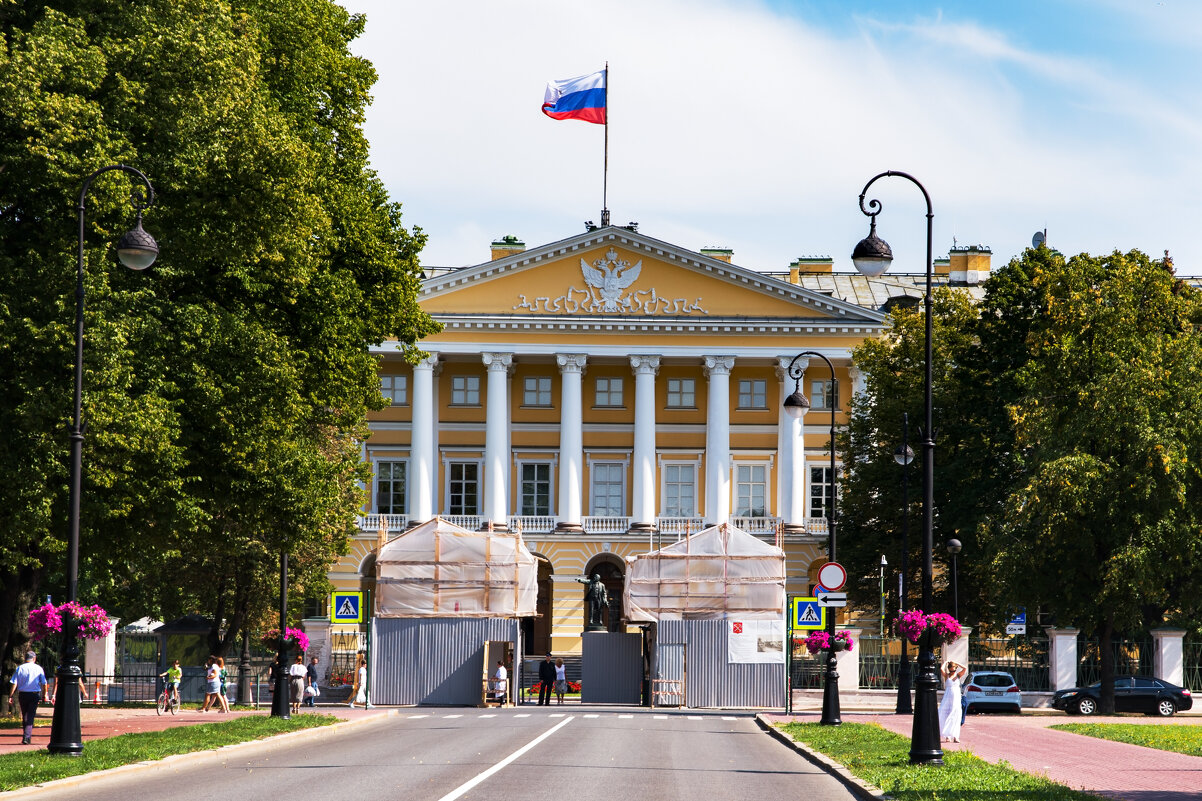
[832, 576]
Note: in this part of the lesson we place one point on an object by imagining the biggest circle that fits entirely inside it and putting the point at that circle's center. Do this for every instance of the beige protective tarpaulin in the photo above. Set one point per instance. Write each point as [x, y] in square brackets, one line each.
[438, 569]
[718, 572]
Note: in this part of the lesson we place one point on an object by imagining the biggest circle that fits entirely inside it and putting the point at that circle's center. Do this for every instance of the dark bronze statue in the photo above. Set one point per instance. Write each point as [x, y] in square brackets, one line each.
[597, 599]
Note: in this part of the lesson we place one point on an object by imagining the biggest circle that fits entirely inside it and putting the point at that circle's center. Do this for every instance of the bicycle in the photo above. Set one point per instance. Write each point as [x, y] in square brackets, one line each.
[167, 701]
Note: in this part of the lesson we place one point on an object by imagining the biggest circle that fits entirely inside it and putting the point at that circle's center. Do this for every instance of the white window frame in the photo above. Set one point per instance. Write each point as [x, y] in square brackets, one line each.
[820, 392]
[767, 484]
[609, 392]
[680, 392]
[826, 492]
[448, 461]
[375, 484]
[392, 386]
[751, 394]
[664, 464]
[621, 461]
[534, 397]
[553, 490]
[471, 384]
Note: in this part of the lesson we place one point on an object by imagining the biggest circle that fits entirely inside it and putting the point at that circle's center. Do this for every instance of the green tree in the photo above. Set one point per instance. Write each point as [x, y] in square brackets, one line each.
[226, 389]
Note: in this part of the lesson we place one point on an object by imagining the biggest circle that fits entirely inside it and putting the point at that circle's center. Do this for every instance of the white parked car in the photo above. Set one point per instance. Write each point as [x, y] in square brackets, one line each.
[990, 689]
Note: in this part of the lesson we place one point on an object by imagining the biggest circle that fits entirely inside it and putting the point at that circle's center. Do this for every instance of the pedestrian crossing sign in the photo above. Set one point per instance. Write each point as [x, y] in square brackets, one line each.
[807, 614]
[346, 607]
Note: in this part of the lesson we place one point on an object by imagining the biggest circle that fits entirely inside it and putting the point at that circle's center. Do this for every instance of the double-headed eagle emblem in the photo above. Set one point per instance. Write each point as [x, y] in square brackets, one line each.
[610, 276]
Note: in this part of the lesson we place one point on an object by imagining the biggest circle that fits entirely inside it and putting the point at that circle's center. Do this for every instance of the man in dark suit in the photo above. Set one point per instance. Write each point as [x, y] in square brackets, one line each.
[546, 681]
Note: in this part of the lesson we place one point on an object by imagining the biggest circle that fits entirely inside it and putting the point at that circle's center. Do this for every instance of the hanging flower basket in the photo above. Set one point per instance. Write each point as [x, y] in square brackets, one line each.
[943, 627]
[819, 641]
[293, 638]
[91, 622]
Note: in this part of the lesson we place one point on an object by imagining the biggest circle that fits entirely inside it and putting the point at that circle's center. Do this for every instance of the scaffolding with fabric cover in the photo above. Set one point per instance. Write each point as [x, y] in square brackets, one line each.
[438, 569]
[719, 572]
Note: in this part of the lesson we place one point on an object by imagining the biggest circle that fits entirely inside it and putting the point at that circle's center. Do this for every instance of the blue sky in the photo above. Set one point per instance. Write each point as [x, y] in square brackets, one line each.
[754, 125]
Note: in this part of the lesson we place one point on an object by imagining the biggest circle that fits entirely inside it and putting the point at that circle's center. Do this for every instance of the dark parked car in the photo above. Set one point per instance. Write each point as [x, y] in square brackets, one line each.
[1131, 694]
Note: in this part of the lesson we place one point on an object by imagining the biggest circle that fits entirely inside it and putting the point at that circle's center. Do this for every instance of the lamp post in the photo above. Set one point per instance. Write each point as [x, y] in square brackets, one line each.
[884, 564]
[796, 406]
[872, 257]
[953, 548]
[903, 456]
[137, 250]
[281, 705]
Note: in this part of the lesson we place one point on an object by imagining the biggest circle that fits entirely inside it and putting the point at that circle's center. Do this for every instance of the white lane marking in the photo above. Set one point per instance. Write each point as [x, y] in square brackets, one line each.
[556, 715]
[469, 784]
[414, 717]
[730, 718]
[523, 715]
[592, 716]
[487, 716]
[696, 717]
[452, 716]
[659, 717]
[625, 717]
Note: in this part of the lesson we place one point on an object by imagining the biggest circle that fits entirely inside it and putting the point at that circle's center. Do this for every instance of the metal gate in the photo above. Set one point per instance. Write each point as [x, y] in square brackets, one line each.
[612, 670]
[668, 683]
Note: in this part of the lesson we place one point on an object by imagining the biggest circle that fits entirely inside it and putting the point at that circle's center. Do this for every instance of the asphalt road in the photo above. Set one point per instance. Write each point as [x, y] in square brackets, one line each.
[551, 754]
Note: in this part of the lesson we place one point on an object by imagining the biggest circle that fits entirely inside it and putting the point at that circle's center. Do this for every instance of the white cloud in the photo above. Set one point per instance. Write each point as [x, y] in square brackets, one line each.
[733, 125]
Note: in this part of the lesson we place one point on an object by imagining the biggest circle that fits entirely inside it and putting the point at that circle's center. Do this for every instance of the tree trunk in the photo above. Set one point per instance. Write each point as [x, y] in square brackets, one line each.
[17, 598]
[1105, 644]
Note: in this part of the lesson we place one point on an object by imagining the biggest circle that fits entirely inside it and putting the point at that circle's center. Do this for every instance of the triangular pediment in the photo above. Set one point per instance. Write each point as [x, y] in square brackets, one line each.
[615, 272]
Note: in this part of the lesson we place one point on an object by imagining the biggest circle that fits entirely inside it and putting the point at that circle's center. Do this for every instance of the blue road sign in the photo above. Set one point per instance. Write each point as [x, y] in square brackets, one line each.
[346, 607]
[807, 614]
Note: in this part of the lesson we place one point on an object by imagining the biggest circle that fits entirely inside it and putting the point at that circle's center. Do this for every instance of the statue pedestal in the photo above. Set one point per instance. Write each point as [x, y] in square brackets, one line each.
[595, 627]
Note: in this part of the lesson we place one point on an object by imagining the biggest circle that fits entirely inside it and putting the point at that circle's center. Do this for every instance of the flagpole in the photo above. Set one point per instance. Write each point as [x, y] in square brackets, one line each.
[605, 173]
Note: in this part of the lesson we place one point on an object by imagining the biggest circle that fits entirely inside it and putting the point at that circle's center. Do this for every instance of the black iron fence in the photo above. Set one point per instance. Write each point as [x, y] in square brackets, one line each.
[1023, 657]
[880, 661]
[1191, 663]
[1130, 656]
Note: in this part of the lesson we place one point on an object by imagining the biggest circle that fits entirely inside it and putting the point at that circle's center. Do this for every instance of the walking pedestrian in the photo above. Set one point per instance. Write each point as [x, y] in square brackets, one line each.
[29, 681]
[359, 691]
[297, 675]
[546, 681]
[212, 684]
[311, 676]
[949, 708]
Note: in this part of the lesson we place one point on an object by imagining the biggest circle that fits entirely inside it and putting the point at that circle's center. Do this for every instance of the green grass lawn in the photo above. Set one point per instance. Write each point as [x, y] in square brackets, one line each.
[34, 767]
[1180, 737]
[882, 758]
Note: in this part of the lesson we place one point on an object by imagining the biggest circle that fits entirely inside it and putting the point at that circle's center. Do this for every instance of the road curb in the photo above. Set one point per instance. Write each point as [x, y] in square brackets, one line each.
[179, 760]
[860, 788]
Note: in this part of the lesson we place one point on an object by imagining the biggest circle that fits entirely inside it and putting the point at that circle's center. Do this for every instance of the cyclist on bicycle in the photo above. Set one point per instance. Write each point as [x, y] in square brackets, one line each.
[173, 675]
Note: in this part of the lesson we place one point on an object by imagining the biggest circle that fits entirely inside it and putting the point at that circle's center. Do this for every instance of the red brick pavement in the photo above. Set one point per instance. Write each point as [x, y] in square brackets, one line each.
[1113, 770]
[100, 721]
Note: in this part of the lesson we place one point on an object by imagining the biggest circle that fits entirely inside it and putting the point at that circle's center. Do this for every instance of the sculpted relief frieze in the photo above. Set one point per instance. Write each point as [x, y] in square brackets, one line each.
[609, 289]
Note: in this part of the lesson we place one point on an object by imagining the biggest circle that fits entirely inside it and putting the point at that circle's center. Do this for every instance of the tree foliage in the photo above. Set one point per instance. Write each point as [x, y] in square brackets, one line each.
[226, 389]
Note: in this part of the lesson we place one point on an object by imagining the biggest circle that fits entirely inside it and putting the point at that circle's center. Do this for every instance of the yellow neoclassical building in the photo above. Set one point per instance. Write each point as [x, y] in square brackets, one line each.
[609, 393]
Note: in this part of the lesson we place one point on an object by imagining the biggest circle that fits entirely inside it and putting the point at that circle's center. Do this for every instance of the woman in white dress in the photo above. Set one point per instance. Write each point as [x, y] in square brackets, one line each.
[949, 708]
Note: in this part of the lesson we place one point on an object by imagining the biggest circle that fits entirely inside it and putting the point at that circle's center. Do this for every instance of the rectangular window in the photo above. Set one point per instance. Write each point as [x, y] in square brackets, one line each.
[753, 394]
[607, 496]
[537, 391]
[751, 490]
[390, 488]
[395, 388]
[609, 392]
[680, 490]
[823, 395]
[820, 489]
[536, 489]
[465, 390]
[464, 488]
[681, 393]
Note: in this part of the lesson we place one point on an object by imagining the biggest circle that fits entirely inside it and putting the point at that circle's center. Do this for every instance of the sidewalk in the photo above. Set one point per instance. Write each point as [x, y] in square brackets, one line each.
[1113, 770]
[100, 721]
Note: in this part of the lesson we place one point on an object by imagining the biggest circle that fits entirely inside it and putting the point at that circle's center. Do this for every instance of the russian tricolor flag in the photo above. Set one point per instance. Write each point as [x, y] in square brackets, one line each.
[580, 98]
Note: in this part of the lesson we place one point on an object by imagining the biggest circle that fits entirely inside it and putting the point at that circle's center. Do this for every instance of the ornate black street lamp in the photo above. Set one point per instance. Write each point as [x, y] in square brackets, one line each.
[872, 257]
[137, 250]
[796, 406]
[903, 456]
[953, 548]
[281, 704]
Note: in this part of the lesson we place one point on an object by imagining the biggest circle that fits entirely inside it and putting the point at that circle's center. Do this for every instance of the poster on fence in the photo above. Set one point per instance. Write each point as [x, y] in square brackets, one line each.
[755, 642]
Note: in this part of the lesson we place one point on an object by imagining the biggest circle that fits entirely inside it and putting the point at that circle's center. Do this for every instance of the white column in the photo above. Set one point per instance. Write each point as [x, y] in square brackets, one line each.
[643, 511]
[422, 464]
[1062, 657]
[957, 649]
[717, 439]
[791, 488]
[496, 437]
[571, 440]
[857, 383]
[847, 663]
[100, 660]
[1168, 660]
